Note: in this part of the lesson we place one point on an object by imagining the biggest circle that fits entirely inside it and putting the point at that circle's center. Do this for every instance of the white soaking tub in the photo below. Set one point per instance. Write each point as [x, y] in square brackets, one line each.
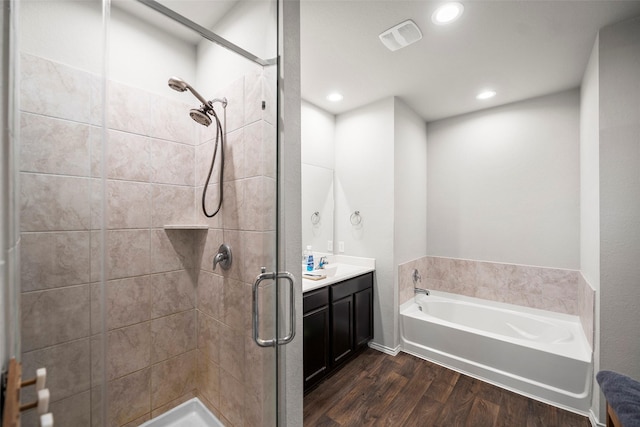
[540, 354]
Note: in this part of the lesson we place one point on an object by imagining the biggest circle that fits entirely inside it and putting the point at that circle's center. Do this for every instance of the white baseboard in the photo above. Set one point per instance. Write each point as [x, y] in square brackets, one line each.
[593, 420]
[385, 349]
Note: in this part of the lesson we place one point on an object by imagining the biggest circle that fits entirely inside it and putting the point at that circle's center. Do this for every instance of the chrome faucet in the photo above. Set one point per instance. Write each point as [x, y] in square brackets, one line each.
[323, 262]
[420, 291]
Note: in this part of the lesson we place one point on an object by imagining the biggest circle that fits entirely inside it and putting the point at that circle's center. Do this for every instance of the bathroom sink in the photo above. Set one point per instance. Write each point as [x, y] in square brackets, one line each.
[336, 271]
[329, 270]
[332, 270]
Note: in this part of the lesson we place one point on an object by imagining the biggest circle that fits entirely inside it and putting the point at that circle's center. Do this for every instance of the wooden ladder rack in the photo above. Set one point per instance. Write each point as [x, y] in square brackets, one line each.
[11, 414]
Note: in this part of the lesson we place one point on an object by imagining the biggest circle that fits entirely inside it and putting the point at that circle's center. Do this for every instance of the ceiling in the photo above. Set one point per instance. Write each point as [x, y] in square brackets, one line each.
[521, 49]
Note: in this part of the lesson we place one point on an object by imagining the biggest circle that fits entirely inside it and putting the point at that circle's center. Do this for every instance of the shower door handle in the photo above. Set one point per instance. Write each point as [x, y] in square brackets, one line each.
[256, 312]
[292, 309]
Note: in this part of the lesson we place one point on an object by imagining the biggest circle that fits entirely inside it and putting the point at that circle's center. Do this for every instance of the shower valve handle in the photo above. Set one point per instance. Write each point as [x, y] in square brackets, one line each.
[223, 257]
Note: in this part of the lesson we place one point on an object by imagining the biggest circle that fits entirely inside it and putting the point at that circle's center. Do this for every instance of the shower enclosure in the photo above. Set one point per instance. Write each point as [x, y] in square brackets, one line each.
[114, 285]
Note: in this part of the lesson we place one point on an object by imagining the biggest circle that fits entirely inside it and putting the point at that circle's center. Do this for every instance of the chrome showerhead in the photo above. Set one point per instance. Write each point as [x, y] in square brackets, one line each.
[176, 83]
[203, 114]
[199, 115]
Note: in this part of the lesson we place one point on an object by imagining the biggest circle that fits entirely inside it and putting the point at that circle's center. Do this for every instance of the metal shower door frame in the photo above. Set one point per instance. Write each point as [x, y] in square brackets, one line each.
[206, 33]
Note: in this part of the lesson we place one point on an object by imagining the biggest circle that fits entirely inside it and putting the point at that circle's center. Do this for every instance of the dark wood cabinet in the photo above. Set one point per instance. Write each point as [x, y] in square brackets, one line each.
[316, 336]
[337, 324]
[363, 317]
[316, 345]
[341, 329]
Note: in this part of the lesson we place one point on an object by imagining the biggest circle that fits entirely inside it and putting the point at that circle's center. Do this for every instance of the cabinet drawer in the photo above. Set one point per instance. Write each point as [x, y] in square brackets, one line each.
[315, 299]
[351, 286]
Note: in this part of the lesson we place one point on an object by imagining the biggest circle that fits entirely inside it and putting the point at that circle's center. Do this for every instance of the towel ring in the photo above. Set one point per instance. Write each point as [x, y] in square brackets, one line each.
[315, 218]
[355, 218]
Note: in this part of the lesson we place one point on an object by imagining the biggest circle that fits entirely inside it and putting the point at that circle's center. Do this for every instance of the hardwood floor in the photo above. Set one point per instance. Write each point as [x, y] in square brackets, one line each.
[376, 389]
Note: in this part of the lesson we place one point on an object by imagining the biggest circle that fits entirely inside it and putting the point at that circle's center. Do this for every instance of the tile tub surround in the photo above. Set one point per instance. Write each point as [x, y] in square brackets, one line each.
[175, 329]
[552, 289]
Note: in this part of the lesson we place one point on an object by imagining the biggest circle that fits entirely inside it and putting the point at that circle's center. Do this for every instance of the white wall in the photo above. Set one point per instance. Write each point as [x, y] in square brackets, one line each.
[503, 183]
[80, 21]
[590, 195]
[364, 181]
[410, 178]
[589, 173]
[619, 68]
[251, 26]
[140, 54]
[144, 56]
[410, 190]
[318, 133]
[317, 147]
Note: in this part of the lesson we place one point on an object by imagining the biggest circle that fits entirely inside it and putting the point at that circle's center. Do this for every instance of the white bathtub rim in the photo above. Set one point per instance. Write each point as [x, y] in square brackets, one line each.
[565, 400]
[497, 304]
[594, 420]
[580, 350]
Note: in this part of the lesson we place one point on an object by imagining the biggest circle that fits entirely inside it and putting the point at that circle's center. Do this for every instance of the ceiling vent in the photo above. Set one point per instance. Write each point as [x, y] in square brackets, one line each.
[401, 35]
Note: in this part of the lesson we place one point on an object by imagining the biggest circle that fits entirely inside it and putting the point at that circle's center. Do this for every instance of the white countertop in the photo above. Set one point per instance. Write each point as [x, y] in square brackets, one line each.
[340, 268]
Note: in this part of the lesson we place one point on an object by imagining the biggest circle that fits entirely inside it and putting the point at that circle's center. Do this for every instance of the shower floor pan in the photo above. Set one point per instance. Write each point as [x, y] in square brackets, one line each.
[191, 413]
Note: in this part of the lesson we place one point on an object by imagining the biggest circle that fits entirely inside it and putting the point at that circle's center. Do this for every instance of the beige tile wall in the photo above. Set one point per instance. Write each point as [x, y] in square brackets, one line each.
[235, 376]
[563, 291]
[58, 134]
[586, 308]
[174, 327]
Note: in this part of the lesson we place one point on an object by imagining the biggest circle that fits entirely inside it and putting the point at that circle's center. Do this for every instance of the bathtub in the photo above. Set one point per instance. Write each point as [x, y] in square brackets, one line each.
[536, 353]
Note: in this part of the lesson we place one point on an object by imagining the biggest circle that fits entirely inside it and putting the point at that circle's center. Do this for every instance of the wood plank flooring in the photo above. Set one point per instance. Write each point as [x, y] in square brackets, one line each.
[376, 389]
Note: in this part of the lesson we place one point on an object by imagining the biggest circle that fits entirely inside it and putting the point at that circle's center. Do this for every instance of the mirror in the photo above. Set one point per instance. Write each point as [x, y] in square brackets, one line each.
[317, 207]
[317, 146]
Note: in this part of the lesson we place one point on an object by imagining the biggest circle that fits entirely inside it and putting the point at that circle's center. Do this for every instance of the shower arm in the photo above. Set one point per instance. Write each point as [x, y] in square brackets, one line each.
[222, 101]
[208, 105]
[205, 103]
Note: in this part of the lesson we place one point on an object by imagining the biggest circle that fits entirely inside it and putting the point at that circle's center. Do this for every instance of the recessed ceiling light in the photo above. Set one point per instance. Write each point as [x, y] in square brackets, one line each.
[486, 94]
[335, 97]
[447, 13]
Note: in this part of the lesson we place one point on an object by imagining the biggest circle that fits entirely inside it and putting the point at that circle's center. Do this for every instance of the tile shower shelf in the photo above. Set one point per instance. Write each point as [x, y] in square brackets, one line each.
[186, 227]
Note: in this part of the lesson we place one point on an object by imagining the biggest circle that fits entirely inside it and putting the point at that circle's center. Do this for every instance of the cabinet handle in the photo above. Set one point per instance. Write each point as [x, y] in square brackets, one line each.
[256, 312]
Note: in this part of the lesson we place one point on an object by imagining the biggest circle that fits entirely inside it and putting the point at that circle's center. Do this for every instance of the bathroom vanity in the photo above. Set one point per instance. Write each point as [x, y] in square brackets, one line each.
[337, 322]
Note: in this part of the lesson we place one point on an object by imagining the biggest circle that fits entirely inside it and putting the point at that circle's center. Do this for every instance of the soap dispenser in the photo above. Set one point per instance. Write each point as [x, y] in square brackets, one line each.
[309, 258]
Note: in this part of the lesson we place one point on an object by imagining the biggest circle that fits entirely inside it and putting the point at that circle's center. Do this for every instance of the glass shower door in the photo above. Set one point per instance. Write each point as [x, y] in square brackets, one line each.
[201, 320]
[121, 300]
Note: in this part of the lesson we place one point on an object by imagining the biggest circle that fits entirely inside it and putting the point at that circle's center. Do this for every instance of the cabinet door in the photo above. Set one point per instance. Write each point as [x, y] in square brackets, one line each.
[363, 317]
[315, 345]
[341, 329]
